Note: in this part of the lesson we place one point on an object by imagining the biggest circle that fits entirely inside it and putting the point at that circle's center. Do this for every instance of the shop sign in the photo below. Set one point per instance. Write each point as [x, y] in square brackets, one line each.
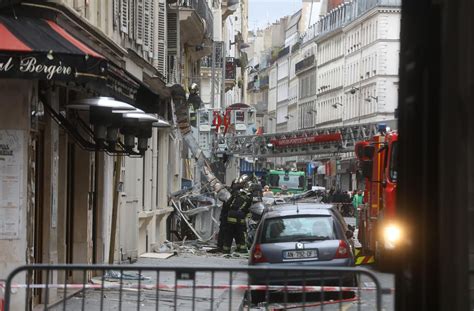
[230, 68]
[47, 67]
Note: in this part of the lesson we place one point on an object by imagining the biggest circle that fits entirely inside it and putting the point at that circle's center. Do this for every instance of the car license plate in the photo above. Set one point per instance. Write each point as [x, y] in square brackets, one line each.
[300, 254]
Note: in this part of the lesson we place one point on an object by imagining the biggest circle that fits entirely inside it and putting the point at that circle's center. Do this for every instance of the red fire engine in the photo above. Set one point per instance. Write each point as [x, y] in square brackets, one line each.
[379, 232]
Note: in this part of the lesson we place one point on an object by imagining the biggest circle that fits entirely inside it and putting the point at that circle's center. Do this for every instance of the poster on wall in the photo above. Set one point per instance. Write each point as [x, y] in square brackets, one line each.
[11, 172]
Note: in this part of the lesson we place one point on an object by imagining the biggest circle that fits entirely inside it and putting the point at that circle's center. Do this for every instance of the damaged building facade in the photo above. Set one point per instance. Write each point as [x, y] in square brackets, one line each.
[68, 196]
[58, 181]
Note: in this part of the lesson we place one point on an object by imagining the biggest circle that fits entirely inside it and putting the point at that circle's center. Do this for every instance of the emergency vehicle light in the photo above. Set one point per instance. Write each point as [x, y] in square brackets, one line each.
[392, 235]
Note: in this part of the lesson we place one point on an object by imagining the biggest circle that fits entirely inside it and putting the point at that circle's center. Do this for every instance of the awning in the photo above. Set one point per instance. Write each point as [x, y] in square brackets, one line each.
[34, 48]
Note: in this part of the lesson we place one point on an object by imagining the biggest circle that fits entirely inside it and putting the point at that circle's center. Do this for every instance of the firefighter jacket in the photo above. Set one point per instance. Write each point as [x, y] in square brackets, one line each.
[238, 208]
[226, 207]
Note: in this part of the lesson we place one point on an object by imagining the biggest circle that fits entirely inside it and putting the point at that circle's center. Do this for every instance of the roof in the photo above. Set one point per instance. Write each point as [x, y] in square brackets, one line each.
[290, 209]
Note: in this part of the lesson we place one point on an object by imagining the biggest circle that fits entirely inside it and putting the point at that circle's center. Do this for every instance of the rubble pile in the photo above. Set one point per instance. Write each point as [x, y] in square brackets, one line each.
[194, 247]
[197, 212]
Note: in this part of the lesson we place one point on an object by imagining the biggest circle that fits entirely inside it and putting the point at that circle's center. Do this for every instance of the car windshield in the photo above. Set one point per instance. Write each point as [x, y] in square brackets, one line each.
[298, 228]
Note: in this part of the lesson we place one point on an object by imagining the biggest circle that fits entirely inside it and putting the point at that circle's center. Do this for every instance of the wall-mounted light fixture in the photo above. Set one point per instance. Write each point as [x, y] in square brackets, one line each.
[354, 90]
[105, 122]
[370, 98]
[161, 124]
[109, 118]
[137, 125]
[252, 69]
[335, 105]
[240, 44]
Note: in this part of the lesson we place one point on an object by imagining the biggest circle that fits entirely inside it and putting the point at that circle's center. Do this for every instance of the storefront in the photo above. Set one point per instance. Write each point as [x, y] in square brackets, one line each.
[56, 175]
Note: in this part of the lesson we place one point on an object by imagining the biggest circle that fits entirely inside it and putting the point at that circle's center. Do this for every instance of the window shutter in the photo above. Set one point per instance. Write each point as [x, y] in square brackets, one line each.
[161, 51]
[131, 19]
[172, 24]
[147, 26]
[139, 16]
[116, 13]
[172, 40]
[124, 16]
[152, 41]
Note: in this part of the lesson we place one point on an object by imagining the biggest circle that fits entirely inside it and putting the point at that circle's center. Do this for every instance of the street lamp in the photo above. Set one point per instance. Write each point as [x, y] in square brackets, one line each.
[137, 125]
[354, 89]
[241, 45]
[102, 117]
[252, 69]
[369, 99]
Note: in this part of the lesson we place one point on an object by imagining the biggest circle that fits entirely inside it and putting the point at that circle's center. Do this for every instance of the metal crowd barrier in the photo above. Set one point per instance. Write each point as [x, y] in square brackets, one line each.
[131, 287]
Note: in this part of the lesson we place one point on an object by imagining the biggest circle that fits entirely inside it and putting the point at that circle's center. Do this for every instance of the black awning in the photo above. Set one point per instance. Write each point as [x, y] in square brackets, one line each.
[35, 48]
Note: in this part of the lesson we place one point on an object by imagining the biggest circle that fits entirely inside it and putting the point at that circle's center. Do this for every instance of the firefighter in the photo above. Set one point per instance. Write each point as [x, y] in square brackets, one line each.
[195, 103]
[238, 209]
[223, 217]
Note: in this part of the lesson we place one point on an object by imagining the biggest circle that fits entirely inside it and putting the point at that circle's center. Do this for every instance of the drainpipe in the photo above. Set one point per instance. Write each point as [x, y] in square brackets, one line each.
[113, 230]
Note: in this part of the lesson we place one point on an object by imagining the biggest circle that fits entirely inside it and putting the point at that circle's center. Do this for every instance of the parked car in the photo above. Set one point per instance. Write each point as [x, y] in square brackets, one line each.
[304, 203]
[302, 234]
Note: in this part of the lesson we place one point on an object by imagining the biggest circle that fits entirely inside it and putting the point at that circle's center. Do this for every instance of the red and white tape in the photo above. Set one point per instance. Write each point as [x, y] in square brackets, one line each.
[289, 288]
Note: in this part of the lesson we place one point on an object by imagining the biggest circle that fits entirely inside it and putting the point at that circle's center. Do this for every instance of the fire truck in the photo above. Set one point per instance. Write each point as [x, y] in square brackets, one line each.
[379, 231]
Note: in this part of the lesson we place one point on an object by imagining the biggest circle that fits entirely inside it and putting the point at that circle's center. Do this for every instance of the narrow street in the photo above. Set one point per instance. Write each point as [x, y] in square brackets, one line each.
[202, 298]
[169, 299]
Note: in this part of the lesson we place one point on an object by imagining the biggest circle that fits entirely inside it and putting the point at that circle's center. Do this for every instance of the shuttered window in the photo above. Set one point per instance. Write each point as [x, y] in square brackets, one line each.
[124, 15]
[172, 31]
[172, 38]
[162, 30]
[131, 19]
[140, 21]
[116, 13]
[148, 24]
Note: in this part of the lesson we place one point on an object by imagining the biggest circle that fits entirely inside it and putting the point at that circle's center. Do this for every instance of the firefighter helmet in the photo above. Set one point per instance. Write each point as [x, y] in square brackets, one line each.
[254, 189]
[194, 88]
[242, 180]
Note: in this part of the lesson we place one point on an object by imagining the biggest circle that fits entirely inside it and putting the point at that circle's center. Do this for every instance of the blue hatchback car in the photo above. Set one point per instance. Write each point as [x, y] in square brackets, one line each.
[301, 235]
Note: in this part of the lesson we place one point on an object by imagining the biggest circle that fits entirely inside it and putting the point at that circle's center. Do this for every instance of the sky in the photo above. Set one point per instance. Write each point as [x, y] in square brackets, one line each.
[262, 12]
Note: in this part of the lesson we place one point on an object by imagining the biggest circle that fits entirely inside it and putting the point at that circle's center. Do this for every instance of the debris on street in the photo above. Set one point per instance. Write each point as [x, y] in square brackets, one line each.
[193, 247]
[157, 255]
[196, 214]
[117, 275]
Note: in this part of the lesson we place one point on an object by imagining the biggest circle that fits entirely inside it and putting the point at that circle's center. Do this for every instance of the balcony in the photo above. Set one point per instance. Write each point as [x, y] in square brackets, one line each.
[196, 26]
[229, 7]
[283, 52]
[304, 64]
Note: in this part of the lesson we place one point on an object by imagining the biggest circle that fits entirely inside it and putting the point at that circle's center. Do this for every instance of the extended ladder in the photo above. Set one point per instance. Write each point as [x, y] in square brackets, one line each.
[320, 143]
